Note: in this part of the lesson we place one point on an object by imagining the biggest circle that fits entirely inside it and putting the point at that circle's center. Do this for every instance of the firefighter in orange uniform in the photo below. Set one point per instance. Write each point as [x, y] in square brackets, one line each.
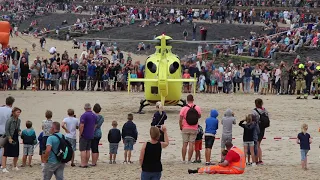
[234, 163]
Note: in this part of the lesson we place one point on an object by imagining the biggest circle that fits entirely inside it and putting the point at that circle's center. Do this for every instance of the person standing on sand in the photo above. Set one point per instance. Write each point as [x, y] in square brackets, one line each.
[189, 132]
[258, 112]
[150, 155]
[11, 148]
[52, 165]
[97, 135]
[5, 113]
[86, 131]
[70, 124]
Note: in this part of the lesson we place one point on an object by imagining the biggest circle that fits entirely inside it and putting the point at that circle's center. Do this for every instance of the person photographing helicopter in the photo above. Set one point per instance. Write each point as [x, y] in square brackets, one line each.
[189, 116]
[158, 119]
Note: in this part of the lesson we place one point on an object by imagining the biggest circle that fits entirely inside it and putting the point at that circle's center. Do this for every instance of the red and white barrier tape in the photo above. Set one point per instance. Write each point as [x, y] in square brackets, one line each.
[274, 138]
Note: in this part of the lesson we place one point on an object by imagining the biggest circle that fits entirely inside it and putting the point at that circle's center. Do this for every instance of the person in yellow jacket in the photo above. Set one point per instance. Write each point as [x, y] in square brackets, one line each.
[317, 83]
[234, 163]
[301, 81]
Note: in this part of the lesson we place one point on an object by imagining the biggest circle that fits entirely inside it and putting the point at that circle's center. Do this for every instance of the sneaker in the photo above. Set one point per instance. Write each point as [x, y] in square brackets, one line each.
[260, 163]
[114, 162]
[16, 168]
[110, 162]
[248, 163]
[5, 170]
[190, 171]
[253, 164]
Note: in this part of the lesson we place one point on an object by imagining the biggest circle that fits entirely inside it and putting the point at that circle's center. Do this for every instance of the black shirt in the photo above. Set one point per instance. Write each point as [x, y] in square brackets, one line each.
[152, 158]
[114, 135]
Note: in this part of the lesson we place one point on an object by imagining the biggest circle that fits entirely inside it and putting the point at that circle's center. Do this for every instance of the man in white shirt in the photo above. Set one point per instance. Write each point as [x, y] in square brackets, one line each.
[70, 125]
[98, 44]
[53, 50]
[5, 113]
[200, 64]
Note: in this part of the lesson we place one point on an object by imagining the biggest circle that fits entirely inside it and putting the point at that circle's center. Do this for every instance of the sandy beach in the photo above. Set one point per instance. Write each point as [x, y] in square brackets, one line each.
[282, 158]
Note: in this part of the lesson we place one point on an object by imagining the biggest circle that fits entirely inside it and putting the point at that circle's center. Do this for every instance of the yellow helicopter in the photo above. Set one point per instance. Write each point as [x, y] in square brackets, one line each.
[162, 78]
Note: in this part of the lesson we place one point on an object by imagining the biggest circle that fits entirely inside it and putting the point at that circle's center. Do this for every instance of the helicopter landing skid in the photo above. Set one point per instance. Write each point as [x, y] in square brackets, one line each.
[184, 103]
[142, 105]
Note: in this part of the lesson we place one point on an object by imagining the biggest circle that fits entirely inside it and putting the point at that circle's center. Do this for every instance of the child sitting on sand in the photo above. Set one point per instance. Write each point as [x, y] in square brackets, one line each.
[129, 136]
[304, 139]
[29, 139]
[114, 137]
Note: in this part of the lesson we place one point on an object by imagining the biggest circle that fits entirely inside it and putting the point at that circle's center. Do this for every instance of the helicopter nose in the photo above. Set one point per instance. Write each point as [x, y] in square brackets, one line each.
[152, 67]
[174, 67]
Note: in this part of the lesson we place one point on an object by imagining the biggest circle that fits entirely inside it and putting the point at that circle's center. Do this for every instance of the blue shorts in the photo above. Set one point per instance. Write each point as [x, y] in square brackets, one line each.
[150, 175]
[128, 143]
[304, 153]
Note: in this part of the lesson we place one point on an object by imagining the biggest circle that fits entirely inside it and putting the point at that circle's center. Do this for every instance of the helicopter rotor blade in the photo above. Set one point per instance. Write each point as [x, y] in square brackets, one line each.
[157, 41]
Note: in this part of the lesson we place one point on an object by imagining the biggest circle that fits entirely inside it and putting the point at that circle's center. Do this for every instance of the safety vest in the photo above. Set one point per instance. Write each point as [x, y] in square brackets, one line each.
[240, 165]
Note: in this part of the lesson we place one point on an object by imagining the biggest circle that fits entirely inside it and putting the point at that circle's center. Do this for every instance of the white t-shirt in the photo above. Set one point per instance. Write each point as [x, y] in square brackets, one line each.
[98, 43]
[71, 125]
[52, 50]
[265, 77]
[5, 113]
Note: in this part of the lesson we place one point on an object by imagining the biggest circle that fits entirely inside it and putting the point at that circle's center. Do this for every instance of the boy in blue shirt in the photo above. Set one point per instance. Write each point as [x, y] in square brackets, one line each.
[29, 139]
[212, 124]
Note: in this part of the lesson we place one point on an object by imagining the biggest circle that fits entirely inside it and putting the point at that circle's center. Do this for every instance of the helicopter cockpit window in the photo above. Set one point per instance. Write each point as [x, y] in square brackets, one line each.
[152, 67]
[173, 67]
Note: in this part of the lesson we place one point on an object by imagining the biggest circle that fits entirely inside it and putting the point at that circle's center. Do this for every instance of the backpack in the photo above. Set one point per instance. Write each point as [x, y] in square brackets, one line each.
[192, 116]
[264, 121]
[65, 150]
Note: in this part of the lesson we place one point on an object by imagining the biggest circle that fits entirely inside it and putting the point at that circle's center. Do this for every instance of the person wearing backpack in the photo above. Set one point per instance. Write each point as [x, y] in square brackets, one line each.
[53, 165]
[189, 117]
[262, 116]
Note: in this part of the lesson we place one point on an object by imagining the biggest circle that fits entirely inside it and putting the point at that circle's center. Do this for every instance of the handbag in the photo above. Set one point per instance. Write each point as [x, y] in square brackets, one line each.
[3, 141]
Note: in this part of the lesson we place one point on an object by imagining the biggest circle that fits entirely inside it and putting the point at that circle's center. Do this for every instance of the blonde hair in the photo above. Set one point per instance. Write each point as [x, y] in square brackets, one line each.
[304, 128]
[154, 133]
[249, 118]
[159, 106]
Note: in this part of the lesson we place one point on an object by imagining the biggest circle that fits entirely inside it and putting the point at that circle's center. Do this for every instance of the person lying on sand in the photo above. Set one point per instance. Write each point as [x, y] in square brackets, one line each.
[234, 163]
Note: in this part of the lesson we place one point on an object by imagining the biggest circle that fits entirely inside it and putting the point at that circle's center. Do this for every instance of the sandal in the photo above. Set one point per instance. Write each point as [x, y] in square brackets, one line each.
[83, 166]
[93, 165]
[130, 162]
